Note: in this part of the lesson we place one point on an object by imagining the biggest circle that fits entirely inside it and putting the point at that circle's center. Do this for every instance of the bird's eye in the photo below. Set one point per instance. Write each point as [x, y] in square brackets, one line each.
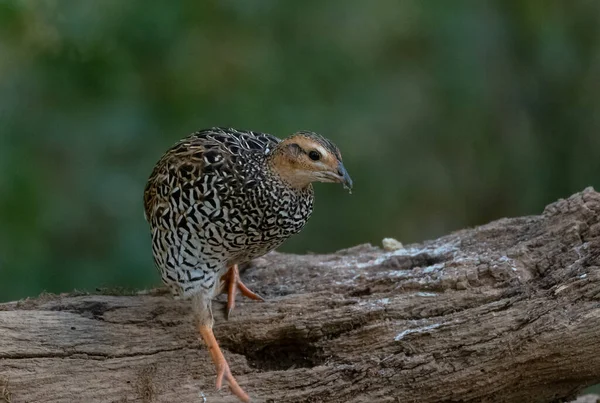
[314, 155]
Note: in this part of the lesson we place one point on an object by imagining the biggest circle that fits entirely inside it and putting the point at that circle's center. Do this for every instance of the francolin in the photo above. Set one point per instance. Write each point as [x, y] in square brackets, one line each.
[222, 197]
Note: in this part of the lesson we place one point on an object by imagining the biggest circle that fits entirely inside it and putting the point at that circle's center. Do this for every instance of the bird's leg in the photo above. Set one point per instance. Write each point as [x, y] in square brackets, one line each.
[202, 308]
[233, 283]
[223, 371]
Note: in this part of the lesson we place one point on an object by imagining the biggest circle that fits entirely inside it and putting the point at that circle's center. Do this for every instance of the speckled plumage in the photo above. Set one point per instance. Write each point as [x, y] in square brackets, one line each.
[213, 201]
[222, 197]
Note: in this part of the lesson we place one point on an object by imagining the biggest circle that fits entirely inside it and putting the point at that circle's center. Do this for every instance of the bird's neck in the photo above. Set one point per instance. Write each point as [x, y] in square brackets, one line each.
[282, 166]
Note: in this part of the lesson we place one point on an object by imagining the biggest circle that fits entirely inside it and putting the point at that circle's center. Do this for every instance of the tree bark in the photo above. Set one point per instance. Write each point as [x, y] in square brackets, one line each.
[506, 312]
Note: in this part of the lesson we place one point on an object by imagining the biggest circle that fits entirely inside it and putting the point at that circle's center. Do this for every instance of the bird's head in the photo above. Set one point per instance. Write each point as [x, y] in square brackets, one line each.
[307, 157]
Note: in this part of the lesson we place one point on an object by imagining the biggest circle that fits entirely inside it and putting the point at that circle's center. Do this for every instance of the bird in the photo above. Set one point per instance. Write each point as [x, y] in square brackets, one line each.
[221, 197]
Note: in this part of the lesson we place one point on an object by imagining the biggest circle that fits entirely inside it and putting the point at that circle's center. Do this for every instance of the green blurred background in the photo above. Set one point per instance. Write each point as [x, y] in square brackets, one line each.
[448, 113]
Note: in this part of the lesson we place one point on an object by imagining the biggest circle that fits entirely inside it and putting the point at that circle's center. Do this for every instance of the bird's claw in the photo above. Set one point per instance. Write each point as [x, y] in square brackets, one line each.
[233, 284]
[223, 372]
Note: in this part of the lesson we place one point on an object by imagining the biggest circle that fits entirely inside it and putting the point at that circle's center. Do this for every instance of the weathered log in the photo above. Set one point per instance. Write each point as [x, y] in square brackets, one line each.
[506, 312]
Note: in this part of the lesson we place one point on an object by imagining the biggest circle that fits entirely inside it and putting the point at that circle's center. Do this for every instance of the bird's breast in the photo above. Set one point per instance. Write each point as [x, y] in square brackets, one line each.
[266, 220]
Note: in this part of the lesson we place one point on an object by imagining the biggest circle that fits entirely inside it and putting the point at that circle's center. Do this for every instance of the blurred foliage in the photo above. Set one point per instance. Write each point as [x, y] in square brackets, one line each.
[448, 114]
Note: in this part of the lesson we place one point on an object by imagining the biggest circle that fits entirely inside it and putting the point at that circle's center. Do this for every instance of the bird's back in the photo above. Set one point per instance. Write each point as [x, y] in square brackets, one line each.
[211, 201]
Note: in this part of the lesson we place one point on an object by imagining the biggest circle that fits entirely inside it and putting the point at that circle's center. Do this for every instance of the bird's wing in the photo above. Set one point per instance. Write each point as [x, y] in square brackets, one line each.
[198, 155]
[181, 197]
[181, 165]
[235, 140]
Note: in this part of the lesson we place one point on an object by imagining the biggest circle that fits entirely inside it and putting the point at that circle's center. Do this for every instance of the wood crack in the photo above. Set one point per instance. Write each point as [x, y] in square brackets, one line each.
[86, 356]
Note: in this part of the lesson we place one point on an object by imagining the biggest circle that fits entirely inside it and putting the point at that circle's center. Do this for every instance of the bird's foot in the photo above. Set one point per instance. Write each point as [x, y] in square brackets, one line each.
[223, 371]
[233, 283]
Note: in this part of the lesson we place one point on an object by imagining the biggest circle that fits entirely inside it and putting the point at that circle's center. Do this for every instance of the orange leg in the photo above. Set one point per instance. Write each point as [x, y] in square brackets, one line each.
[221, 365]
[233, 284]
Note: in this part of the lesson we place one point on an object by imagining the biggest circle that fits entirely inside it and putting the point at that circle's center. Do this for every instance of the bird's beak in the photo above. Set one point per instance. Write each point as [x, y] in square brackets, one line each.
[344, 178]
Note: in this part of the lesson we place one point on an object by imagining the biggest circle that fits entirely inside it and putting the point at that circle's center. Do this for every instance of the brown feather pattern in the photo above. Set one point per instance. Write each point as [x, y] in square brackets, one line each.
[213, 200]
